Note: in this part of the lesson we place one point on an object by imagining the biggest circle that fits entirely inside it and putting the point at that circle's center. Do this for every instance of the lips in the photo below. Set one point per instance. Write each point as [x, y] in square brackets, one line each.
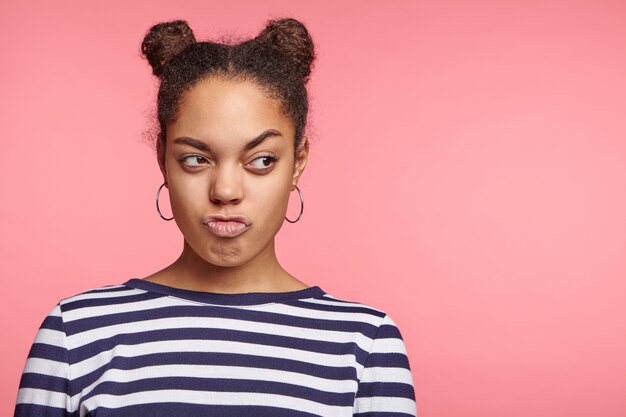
[226, 226]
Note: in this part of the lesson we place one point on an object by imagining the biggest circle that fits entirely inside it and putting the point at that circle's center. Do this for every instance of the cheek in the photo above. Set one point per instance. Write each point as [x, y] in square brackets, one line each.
[269, 201]
[189, 199]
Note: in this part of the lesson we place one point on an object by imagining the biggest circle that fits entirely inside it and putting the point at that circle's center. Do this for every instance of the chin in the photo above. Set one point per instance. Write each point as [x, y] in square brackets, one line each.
[225, 258]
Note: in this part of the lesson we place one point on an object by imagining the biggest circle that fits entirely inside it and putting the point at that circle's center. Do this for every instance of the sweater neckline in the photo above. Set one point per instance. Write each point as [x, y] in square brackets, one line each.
[247, 298]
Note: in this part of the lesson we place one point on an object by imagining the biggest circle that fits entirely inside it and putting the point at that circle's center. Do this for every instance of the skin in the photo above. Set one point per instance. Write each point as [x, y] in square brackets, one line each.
[230, 180]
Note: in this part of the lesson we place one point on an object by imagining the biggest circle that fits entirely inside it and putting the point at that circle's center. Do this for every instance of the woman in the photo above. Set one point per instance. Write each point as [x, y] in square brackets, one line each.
[224, 330]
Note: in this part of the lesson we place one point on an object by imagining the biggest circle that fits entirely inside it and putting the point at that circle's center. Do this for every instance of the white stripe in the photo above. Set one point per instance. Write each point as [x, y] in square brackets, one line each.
[228, 372]
[316, 314]
[99, 333]
[46, 367]
[50, 337]
[42, 397]
[129, 351]
[382, 404]
[380, 374]
[98, 295]
[389, 345]
[96, 311]
[211, 397]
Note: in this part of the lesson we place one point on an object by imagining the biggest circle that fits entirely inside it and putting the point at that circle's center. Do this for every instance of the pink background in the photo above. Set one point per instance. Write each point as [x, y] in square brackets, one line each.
[467, 176]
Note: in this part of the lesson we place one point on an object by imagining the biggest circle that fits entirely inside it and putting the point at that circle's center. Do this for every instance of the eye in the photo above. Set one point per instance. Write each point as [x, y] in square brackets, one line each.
[193, 160]
[265, 162]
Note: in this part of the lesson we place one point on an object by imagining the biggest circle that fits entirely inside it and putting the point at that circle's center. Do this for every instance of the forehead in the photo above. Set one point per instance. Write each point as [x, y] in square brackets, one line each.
[224, 110]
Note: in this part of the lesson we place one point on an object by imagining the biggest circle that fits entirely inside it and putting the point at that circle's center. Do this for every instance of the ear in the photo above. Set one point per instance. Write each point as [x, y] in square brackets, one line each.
[302, 154]
[161, 159]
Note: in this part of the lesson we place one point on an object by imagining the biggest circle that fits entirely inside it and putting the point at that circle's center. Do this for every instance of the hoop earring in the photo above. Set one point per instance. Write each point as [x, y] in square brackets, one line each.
[157, 204]
[301, 207]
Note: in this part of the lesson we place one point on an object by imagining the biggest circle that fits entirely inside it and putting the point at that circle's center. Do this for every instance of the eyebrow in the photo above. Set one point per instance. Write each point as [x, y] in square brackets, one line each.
[198, 144]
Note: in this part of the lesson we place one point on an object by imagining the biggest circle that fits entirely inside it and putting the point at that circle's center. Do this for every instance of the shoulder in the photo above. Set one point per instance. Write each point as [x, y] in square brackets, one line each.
[382, 324]
[94, 292]
[100, 298]
[384, 343]
[330, 302]
[79, 305]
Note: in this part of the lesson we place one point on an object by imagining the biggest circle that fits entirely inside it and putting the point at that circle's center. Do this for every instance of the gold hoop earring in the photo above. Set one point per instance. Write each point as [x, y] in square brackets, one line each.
[301, 206]
[157, 203]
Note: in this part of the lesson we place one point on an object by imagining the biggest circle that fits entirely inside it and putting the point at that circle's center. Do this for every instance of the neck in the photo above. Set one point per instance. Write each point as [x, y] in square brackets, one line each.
[263, 273]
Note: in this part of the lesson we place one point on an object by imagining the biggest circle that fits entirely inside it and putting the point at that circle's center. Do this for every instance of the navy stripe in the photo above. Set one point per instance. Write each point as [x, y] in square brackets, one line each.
[386, 389]
[220, 359]
[52, 323]
[46, 382]
[81, 325]
[223, 385]
[334, 308]
[93, 302]
[321, 346]
[44, 351]
[396, 360]
[33, 410]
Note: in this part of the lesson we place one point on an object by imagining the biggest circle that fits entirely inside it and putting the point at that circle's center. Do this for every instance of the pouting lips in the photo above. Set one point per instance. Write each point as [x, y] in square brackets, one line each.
[226, 228]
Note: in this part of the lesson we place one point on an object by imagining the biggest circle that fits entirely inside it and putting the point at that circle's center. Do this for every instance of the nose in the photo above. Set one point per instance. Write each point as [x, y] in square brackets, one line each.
[225, 185]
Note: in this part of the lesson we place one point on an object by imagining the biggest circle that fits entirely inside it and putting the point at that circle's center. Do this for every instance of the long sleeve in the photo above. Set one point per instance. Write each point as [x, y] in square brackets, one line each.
[44, 385]
[386, 385]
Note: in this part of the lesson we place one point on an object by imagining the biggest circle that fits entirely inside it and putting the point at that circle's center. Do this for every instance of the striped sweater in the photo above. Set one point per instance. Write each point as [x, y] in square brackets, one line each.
[146, 349]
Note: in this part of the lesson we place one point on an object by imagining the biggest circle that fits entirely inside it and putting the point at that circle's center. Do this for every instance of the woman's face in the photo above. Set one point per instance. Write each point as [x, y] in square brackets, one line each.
[217, 162]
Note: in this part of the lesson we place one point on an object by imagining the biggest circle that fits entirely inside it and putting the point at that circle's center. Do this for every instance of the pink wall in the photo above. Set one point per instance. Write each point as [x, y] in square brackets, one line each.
[467, 175]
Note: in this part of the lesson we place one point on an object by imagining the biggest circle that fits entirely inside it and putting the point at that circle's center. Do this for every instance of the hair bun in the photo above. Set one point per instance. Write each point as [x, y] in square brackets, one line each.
[292, 37]
[163, 41]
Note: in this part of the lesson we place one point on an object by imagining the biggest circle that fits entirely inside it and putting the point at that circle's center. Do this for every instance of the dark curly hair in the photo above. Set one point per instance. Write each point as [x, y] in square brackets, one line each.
[278, 60]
